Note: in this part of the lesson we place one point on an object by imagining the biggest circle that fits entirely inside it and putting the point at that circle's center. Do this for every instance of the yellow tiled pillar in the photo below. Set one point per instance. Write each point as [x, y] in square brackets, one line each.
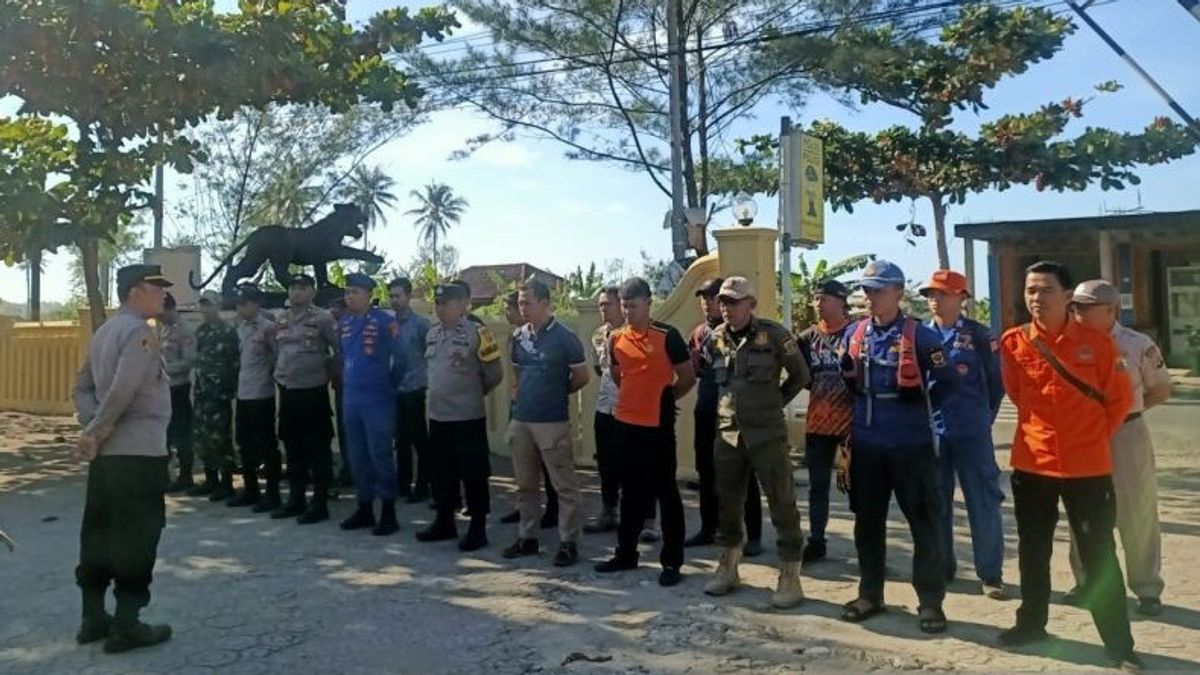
[751, 252]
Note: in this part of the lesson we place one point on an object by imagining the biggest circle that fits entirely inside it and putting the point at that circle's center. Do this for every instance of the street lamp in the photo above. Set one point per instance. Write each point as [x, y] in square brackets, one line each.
[744, 209]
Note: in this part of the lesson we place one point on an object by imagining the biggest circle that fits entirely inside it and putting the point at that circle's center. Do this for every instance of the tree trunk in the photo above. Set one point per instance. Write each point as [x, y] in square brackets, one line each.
[35, 285]
[89, 251]
[702, 137]
[939, 230]
[435, 256]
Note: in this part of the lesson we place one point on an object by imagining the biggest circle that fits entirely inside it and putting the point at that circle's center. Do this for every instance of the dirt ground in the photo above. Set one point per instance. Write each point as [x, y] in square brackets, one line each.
[247, 594]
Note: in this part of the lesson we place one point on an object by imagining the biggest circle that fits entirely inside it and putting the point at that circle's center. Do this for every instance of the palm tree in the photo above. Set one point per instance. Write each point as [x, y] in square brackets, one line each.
[438, 209]
[371, 189]
[285, 200]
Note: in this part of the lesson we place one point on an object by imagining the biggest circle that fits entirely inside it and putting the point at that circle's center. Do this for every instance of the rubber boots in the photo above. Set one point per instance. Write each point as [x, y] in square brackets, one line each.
[788, 593]
[726, 578]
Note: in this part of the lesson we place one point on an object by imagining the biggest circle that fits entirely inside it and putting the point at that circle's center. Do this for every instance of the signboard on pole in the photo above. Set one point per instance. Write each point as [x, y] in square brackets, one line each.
[802, 188]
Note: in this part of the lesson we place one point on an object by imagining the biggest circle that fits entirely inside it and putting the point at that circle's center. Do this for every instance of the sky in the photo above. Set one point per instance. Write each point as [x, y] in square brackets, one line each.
[528, 203]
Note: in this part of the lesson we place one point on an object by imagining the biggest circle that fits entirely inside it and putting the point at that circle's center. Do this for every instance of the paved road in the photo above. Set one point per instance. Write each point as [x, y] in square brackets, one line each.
[250, 595]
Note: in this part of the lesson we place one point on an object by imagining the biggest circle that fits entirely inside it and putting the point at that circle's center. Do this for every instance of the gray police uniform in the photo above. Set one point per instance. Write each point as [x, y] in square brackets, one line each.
[752, 431]
[179, 353]
[123, 398]
[463, 366]
[306, 344]
[256, 400]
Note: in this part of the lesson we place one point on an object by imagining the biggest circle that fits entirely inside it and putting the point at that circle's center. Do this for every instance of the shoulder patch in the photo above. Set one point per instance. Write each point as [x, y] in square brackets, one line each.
[488, 349]
[938, 358]
[789, 345]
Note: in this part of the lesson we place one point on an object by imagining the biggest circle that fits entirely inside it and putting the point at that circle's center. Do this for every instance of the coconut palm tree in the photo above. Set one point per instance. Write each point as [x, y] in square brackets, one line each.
[371, 189]
[287, 199]
[438, 209]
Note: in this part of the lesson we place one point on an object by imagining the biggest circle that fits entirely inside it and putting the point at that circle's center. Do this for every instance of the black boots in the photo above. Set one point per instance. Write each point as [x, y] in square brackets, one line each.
[129, 633]
[181, 484]
[363, 517]
[249, 495]
[476, 536]
[387, 520]
[207, 487]
[296, 504]
[224, 488]
[318, 509]
[269, 501]
[96, 622]
[442, 528]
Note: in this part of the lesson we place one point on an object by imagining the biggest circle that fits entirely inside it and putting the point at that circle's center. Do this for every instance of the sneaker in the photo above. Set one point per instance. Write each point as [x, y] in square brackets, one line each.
[93, 629]
[136, 636]
[1019, 635]
[1129, 662]
[752, 549]
[670, 576]
[568, 554]
[701, 538]
[994, 589]
[510, 518]
[1149, 606]
[616, 564]
[521, 548]
[813, 551]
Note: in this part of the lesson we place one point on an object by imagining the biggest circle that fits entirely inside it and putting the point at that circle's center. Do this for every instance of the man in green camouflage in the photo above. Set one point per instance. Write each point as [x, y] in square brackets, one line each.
[216, 376]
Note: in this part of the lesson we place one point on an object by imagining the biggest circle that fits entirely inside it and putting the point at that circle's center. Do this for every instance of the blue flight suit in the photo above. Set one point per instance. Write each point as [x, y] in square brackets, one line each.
[373, 366]
[893, 450]
[966, 445]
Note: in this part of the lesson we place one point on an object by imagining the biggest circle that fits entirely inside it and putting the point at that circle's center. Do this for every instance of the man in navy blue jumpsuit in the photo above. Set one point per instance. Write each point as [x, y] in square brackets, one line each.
[372, 360]
[893, 365]
[965, 445]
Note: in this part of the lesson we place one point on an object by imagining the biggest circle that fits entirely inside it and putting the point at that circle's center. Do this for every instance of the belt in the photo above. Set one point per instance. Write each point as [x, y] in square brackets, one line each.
[1131, 417]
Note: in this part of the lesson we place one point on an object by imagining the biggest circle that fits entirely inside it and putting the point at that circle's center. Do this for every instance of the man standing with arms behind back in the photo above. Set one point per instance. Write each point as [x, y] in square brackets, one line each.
[412, 430]
[179, 353]
[603, 424]
[1071, 393]
[216, 387]
[255, 407]
[123, 397]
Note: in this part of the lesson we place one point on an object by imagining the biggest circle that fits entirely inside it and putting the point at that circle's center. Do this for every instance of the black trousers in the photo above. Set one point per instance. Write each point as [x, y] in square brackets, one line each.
[605, 427]
[705, 442]
[256, 439]
[646, 465]
[179, 430]
[340, 425]
[123, 517]
[819, 451]
[306, 429]
[459, 455]
[1092, 514]
[875, 473]
[412, 437]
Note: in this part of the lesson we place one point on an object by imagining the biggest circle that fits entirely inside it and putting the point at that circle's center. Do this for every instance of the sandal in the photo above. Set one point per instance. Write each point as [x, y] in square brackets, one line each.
[932, 619]
[861, 609]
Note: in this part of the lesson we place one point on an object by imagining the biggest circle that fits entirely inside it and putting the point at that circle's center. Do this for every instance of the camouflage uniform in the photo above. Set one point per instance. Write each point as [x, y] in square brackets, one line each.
[216, 379]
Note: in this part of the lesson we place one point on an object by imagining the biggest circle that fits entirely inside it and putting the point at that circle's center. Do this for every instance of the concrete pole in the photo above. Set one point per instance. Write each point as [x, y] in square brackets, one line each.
[785, 237]
[969, 272]
[1108, 270]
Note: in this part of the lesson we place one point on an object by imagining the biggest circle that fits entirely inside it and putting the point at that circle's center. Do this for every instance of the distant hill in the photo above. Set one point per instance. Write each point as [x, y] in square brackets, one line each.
[51, 311]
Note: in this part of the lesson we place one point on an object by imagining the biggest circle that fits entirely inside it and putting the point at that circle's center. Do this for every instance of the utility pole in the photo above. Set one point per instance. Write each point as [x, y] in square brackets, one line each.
[158, 205]
[678, 81]
[1192, 6]
[786, 205]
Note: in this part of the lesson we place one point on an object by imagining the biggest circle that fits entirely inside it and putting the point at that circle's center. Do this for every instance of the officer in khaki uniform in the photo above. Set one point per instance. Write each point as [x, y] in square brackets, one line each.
[1097, 303]
[748, 355]
[463, 364]
[123, 397]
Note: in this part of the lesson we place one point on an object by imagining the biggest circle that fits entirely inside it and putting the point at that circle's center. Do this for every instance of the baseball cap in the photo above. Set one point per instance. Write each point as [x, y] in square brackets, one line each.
[881, 274]
[710, 288]
[360, 280]
[130, 275]
[1096, 292]
[248, 293]
[833, 287]
[947, 281]
[211, 298]
[450, 291]
[737, 288]
[302, 279]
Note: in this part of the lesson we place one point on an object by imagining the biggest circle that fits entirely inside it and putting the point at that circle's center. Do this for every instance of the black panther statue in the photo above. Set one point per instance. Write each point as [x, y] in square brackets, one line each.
[315, 245]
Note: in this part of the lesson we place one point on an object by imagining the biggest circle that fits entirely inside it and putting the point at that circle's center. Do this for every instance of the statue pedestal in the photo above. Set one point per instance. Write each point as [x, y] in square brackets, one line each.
[177, 265]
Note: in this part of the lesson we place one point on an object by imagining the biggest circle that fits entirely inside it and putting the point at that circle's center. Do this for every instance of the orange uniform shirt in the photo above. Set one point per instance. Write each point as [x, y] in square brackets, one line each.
[647, 367]
[1060, 431]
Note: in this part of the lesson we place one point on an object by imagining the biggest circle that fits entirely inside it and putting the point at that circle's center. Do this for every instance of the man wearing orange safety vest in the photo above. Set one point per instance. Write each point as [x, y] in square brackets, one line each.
[1067, 382]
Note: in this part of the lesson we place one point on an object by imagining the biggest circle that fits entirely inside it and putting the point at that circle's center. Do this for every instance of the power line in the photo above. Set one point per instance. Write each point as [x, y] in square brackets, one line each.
[1183, 114]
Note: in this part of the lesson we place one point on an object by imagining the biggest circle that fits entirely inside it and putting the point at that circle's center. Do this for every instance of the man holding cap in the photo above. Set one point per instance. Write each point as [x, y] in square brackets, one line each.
[463, 365]
[255, 407]
[1072, 394]
[827, 421]
[896, 369]
[705, 415]
[748, 355]
[308, 354]
[1097, 303]
[216, 385]
[179, 354]
[123, 397]
[965, 446]
[372, 364]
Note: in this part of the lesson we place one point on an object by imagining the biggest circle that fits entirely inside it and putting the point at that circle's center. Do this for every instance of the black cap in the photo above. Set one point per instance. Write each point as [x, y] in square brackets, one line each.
[710, 288]
[450, 291]
[302, 279]
[463, 285]
[130, 275]
[833, 287]
[248, 293]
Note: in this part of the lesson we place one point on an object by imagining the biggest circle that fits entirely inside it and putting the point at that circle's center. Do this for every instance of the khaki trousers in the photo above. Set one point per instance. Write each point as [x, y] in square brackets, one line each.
[774, 469]
[533, 443]
[1135, 483]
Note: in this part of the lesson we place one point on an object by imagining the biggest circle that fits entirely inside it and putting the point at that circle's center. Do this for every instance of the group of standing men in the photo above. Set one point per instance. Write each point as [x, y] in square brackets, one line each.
[896, 407]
